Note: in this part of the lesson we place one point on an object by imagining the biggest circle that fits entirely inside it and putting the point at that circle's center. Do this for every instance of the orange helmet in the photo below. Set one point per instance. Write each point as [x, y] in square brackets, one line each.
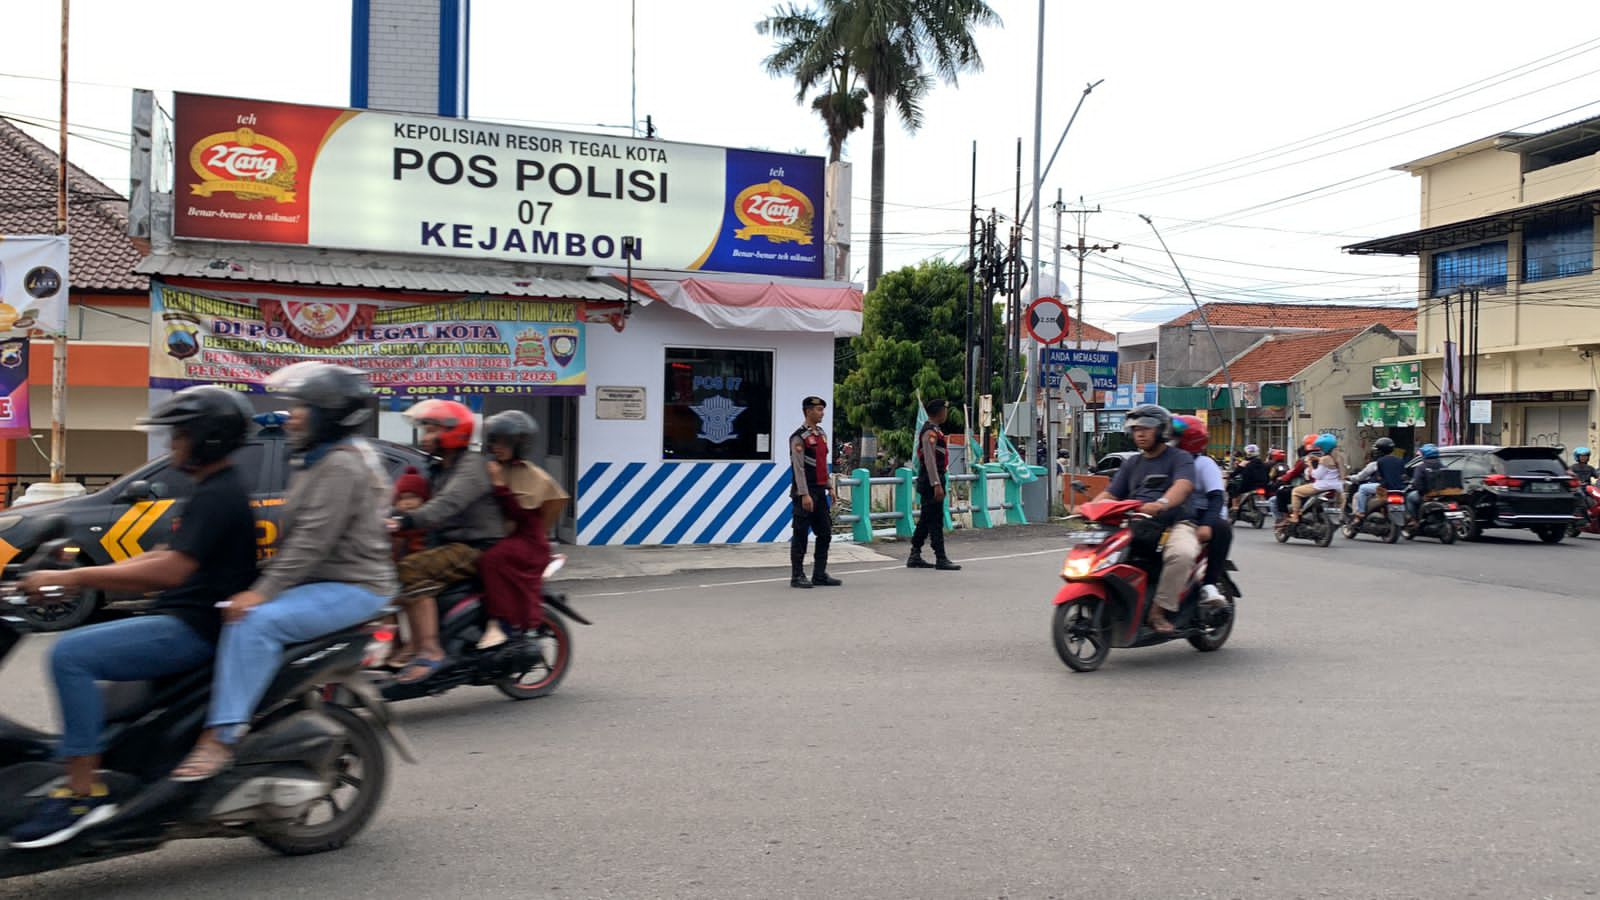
[455, 418]
[1192, 435]
[1310, 439]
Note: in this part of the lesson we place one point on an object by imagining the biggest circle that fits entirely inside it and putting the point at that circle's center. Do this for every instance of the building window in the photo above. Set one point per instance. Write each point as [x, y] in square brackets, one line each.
[1558, 248]
[718, 404]
[1482, 266]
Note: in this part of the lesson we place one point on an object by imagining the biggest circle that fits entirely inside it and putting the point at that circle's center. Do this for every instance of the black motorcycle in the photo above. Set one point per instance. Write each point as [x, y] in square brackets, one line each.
[307, 778]
[1319, 519]
[522, 668]
[1255, 508]
[1438, 517]
[1384, 517]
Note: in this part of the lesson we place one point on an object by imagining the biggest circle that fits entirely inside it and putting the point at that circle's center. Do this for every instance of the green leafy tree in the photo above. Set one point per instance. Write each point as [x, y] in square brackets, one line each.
[911, 338]
[810, 50]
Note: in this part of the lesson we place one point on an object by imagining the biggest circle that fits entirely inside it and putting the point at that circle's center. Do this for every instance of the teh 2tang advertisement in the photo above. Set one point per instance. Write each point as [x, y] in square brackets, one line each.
[280, 173]
[420, 348]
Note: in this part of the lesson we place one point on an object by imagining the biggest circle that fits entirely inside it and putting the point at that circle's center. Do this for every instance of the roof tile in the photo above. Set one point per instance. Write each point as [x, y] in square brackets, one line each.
[103, 255]
[1281, 357]
[1303, 315]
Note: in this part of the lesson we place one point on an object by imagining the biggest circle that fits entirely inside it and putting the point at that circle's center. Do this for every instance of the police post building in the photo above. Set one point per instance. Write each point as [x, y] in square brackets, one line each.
[659, 308]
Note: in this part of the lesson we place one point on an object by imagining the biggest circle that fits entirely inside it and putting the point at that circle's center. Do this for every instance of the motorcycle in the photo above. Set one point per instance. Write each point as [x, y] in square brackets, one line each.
[1319, 519]
[1111, 574]
[1384, 517]
[1255, 508]
[307, 778]
[1439, 516]
[522, 668]
[1591, 525]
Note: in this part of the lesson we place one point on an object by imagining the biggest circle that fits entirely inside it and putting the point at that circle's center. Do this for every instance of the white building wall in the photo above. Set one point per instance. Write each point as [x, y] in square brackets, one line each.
[403, 56]
[627, 493]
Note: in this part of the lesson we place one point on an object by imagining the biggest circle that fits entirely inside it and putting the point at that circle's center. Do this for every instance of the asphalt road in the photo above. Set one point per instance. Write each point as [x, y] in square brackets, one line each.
[1387, 721]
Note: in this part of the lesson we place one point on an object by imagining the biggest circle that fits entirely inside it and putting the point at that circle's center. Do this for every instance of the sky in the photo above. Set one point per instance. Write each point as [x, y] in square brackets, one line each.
[1259, 137]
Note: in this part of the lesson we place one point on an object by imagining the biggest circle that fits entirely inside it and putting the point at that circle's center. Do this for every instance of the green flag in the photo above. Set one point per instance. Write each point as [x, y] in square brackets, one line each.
[1015, 465]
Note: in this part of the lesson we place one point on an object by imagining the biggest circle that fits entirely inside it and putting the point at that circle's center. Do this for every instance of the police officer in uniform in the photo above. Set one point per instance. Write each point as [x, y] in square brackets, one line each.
[933, 457]
[808, 460]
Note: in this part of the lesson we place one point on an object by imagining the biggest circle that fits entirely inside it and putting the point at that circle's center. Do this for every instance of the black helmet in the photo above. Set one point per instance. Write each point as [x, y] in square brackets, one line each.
[338, 397]
[214, 419]
[1149, 415]
[1383, 446]
[513, 428]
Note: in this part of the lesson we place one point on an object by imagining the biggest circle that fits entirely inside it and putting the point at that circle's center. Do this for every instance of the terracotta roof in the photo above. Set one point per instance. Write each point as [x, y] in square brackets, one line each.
[1090, 333]
[103, 256]
[1281, 357]
[1303, 315]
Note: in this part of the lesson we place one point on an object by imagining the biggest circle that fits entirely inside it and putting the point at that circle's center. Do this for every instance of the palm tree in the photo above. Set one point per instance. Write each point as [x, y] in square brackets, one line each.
[810, 51]
[890, 45]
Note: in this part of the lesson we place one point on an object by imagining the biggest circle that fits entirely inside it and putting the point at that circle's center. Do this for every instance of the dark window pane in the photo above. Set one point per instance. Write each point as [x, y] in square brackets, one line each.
[717, 404]
[1558, 248]
[1469, 267]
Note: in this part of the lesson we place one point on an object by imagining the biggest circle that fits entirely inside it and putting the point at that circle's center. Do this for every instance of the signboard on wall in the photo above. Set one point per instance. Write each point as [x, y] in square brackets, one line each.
[1100, 364]
[465, 345]
[282, 173]
[612, 402]
[1411, 413]
[1397, 380]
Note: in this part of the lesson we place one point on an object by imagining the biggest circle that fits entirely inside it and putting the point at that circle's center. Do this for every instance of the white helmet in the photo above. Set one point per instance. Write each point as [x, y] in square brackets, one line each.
[1252, 450]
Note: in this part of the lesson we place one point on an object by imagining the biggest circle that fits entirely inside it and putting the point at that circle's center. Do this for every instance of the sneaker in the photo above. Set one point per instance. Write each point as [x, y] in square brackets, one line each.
[61, 817]
[1211, 597]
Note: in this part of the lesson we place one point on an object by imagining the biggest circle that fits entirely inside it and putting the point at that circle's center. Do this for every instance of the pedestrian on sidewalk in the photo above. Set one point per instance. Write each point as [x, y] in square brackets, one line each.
[808, 463]
[933, 459]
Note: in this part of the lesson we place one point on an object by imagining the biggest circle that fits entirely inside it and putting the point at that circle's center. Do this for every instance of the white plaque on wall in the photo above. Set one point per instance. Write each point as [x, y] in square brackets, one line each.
[619, 402]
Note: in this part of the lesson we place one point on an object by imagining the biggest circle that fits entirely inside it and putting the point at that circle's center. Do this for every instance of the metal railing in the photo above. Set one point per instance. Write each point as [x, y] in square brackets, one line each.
[986, 507]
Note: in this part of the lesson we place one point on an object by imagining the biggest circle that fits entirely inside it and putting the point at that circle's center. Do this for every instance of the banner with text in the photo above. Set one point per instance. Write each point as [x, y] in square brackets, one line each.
[1397, 380]
[466, 345]
[281, 173]
[14, 413]
[1393, 413]
[1100, 364]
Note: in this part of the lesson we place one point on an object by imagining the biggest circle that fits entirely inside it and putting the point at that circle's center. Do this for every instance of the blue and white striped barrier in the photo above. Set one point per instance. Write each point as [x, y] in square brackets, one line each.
[683, 503]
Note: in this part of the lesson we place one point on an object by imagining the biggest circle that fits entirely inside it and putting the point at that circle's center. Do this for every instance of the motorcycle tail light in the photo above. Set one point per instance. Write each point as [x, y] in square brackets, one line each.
[380, 643]
[1455, 506]
[1261, 492]
[1396, 499]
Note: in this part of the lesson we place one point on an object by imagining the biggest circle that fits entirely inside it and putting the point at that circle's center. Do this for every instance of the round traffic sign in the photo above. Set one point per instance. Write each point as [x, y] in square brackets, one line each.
[1047, 320]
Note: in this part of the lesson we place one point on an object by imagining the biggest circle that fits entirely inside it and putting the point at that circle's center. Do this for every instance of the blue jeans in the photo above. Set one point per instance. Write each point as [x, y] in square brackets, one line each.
[131, 650]
[1413, 503]
[252, 648]
[1364, 495]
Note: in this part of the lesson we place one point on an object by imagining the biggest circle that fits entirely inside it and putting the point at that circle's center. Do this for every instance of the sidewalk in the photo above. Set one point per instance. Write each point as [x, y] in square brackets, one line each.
[590, 563]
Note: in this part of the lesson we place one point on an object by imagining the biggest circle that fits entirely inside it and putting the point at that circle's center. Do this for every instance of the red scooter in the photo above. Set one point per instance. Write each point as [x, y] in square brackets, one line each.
[1111, 574]
[1591, 525]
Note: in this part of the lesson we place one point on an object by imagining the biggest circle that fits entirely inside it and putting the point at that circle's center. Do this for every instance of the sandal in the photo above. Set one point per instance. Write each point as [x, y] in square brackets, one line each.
[1159, 623]
[206, 761]
[419, 670]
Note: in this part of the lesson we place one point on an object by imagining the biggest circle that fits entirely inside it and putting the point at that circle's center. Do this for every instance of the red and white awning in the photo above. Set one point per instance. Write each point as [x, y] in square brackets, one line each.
[756, 304]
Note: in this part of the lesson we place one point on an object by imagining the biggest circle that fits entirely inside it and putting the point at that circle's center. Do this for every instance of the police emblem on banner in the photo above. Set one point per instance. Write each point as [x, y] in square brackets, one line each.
[563, 343]
[716, 418]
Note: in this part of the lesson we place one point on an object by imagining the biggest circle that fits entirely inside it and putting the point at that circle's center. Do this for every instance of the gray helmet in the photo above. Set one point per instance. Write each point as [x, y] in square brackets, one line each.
[214, 419]
[513, 428]
[1383, 446]
[338, 396]
[1149, 415]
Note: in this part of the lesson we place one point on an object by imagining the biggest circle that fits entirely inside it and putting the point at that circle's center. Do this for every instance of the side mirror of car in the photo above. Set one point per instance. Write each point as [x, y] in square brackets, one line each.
[1155, 482]
[142, 490]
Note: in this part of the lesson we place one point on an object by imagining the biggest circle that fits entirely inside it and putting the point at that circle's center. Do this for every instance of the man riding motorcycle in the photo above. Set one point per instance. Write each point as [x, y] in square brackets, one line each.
[1385, 469]
[1581, 469]
[211, 557]
[1213, 528]
[1150, 425]
[1247, 476]
[1419, 479]
[463, 516]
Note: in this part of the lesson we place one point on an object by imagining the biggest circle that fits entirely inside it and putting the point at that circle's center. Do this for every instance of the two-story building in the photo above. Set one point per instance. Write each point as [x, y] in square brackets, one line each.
[1510, 221]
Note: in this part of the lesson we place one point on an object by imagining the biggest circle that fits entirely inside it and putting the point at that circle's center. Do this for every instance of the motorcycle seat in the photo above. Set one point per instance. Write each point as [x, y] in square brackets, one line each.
[125, 701]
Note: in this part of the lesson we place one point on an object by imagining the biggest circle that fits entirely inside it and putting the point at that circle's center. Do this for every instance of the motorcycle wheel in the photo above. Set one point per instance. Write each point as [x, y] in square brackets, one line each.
[1392, 535]
[1260, 520]
[1325, 532]
[1350, 529]
[61, 616]
[555, 645]
[1212, 638]
[1574, 530]
[361, 775]
[1409, 533]
[1081, 647]
[1447, 534]
[1281, 535]
[1467, 529]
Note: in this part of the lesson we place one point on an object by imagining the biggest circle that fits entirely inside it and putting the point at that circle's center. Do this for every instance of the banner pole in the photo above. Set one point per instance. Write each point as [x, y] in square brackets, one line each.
[58, 368]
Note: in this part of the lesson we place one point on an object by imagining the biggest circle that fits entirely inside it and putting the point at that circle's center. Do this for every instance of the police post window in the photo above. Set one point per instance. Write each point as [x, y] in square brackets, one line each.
[718, 404]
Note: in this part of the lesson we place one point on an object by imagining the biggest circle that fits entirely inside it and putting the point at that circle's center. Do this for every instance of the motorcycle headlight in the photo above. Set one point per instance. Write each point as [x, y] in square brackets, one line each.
[6, 522]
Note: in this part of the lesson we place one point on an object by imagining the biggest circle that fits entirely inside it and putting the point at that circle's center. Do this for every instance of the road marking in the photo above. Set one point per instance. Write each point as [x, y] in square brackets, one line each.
[780, 579]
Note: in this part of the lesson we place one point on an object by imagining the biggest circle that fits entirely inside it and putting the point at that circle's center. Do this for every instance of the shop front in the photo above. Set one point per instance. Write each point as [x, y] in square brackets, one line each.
[658, 308]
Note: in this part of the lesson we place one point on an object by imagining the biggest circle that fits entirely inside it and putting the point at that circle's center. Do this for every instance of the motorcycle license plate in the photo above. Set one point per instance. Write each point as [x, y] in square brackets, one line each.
[1455, 515]
[1095, 536]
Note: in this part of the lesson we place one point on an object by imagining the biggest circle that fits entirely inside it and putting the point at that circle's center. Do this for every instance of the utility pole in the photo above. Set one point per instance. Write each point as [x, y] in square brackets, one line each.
[1082, 214]
[58, 368]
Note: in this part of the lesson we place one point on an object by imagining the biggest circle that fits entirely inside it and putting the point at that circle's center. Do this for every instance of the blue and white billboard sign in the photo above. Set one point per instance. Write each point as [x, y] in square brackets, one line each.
[1100, 364]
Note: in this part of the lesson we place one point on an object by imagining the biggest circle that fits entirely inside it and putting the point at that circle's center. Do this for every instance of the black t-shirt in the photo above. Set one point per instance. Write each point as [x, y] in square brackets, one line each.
[1177, 465]
[1392, 471]
[217, 531]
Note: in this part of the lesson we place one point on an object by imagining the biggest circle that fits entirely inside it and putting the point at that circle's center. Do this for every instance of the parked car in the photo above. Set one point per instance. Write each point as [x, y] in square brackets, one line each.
[1514, 487]
[1109, 463]
[140, 510]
